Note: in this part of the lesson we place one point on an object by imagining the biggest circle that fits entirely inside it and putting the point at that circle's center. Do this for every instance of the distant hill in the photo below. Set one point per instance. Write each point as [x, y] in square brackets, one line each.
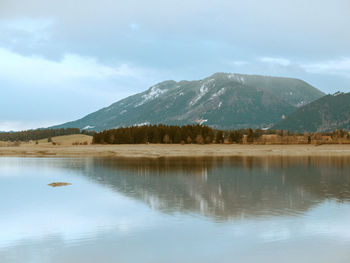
[38, 134]
[225, 101]
[325, 114]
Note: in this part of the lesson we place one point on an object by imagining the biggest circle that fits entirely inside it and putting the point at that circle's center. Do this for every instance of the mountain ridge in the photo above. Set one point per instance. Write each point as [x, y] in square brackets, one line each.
[328, 113]
[222, 100]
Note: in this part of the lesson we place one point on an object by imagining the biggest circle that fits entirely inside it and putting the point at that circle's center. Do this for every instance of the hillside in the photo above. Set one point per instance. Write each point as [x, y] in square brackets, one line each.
[326, 114]
[68, 139]
[225, 101]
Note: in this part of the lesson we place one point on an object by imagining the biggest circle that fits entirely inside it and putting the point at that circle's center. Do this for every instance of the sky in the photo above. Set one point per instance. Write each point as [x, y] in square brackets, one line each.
[61, 60]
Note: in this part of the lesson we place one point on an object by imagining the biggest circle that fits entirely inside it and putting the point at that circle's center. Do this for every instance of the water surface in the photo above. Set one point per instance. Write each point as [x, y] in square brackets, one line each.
[175, 210]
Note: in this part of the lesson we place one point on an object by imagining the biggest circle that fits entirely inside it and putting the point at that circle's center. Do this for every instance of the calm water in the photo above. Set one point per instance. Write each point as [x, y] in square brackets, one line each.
[175, 210]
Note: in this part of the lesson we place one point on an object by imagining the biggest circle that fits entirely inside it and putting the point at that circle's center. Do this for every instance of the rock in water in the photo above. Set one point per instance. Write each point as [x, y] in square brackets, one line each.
[56, 184]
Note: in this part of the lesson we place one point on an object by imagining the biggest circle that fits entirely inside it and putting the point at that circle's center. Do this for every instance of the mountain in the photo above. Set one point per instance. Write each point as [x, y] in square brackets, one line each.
[295, 91]
[325, 114]
[222, 100]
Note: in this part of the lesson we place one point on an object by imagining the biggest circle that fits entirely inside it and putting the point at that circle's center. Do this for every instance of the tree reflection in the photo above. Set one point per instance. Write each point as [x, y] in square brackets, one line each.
[224, 188]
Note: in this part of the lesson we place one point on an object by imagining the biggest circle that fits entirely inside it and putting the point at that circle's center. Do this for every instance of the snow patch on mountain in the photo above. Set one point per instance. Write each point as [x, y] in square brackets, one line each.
[338, 93]
[151, 95]
[202, 91]
[88, 127]
[236, 77]
[219, 93]
[178, 95]
[141, 124]
[201, 121]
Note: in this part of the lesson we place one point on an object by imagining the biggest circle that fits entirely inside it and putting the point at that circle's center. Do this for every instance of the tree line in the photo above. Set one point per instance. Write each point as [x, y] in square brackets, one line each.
[199, 134]
[33, 135]
[186, 134]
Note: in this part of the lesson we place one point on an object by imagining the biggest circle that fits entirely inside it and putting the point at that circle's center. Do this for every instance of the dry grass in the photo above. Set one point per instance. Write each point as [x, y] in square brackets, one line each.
[74, 139]
[65, 140]
[9, 144]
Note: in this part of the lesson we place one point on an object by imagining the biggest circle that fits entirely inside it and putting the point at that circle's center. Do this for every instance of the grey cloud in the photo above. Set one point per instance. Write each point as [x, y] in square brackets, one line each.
[312, 27]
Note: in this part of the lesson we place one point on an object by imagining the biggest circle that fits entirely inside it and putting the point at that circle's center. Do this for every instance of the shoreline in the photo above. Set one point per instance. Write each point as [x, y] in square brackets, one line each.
[174, 150]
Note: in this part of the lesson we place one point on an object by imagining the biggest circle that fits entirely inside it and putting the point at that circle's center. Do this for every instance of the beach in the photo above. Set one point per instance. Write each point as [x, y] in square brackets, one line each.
[174, 150]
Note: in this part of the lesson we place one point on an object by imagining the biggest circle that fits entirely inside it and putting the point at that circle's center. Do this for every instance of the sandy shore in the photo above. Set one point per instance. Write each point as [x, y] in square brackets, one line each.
[162, 150]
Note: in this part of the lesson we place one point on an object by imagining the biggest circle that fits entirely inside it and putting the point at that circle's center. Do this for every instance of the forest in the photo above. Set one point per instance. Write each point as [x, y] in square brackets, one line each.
[199, 134]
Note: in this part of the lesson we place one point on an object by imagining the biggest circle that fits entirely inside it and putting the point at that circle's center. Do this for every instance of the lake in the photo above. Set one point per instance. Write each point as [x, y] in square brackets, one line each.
[246, 209]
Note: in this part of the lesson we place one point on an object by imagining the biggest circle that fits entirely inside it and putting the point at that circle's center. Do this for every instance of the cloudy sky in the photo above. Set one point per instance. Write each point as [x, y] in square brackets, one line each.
[60, 60]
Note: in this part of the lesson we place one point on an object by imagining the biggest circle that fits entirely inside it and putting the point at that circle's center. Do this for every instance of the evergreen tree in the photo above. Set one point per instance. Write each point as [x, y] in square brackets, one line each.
[219, 137]
[250, 135]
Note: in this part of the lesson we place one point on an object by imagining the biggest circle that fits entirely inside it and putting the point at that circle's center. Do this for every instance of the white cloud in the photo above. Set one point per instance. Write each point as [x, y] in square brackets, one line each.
[41, 92]
[27, 24]
[70, 67]
[276, 61]
[71, 72]
[238, 63]
[23, 125]
[335, 67]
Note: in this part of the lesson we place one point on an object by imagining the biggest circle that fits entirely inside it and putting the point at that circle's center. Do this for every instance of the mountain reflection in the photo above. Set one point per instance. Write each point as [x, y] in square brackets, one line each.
[224, 188]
